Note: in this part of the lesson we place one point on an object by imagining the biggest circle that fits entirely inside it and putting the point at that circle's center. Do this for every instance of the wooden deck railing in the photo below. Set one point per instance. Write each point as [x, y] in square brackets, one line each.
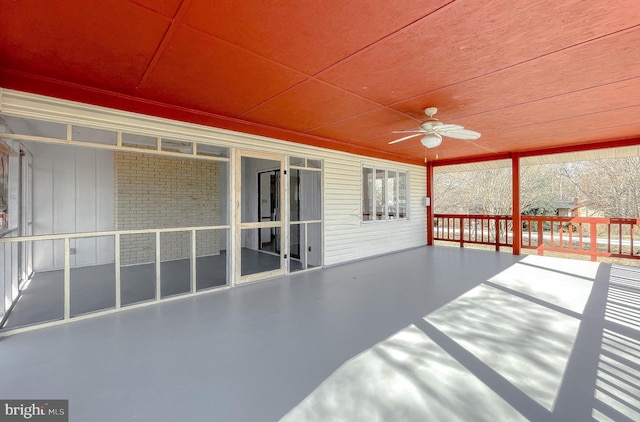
[474, 228]
[592, 236]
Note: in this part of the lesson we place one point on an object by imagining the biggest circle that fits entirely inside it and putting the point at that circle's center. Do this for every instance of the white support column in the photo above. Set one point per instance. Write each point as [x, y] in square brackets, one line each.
[285, 208]
[158, 283]
[234, 203]
[193, 261]
[305, 263]
[117, 269]
[67, 279]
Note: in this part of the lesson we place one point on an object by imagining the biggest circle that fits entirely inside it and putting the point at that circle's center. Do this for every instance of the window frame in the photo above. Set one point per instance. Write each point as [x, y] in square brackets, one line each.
[383, 191]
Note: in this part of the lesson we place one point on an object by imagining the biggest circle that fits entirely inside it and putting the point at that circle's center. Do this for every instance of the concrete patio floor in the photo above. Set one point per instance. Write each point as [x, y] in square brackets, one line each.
[427, 334]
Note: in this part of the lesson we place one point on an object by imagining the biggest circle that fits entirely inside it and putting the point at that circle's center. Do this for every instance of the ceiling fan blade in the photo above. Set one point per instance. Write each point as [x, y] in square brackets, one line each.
[408, 131]
[466, 134]
[447, 127]
[405, 138]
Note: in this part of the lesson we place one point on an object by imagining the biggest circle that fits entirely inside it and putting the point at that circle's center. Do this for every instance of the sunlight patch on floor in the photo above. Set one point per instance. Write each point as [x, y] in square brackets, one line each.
[552, 280]
[404, 378]
[578, 268]
[528, 344]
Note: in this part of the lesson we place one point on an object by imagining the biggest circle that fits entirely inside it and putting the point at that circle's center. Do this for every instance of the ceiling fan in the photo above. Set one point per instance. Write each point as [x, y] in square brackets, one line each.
[432, 131]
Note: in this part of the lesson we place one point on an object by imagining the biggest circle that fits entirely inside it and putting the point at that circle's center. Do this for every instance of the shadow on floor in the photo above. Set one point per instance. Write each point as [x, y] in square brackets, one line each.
[543, 340]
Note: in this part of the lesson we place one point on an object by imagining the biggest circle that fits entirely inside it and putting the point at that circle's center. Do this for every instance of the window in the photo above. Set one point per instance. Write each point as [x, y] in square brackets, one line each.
[384, 194]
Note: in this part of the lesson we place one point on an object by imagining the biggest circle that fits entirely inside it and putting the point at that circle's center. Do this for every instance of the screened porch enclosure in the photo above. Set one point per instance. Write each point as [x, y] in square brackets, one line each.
[130, 227]
[111, 220]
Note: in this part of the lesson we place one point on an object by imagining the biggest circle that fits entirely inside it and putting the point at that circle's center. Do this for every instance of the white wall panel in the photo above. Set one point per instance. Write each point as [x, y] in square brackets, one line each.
[43, 208]
[86, 211]
[105, 218]
[73, 192]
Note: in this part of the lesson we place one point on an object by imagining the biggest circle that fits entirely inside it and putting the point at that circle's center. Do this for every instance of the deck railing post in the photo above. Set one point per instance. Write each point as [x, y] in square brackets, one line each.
[497, 224]
[540, 237]
[593, 248]
[631, 229]
[570, 228]
[430, 209]
[461, 231]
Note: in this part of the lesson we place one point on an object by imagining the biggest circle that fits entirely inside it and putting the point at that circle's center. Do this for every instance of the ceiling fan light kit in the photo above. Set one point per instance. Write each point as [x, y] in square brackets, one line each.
[432, 131]
[431, 140]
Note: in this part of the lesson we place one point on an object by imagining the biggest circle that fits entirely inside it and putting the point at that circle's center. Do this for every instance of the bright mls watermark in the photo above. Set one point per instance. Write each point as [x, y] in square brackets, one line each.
[34, 410]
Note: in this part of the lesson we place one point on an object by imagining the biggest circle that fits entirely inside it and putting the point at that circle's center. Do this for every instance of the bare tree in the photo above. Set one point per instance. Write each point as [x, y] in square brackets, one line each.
[490, 191]
[451, 192]
[610, 186]
[473, 192]
[542, 186]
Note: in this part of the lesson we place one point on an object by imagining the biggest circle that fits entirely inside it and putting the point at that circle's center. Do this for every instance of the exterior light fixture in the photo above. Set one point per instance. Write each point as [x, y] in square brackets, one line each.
[431, 140]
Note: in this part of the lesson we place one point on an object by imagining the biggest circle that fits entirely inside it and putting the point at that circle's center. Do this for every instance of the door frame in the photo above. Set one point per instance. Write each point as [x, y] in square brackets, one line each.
[282, 224]
[277, 174]
[25, 251]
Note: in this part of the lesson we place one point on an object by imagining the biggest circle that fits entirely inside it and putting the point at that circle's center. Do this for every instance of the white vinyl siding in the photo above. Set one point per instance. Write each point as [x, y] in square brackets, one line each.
[346, 237]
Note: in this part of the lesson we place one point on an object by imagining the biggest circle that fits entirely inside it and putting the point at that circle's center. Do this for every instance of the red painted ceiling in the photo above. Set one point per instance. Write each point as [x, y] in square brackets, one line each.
[526, 74]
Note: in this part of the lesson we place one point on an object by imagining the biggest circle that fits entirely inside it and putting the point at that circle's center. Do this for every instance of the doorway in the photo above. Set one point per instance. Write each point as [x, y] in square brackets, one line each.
[25, 252]
[260, 219]
[305, 214]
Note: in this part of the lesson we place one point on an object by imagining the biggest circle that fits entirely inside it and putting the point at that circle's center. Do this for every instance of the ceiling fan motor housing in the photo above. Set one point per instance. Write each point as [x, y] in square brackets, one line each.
[430, 124]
